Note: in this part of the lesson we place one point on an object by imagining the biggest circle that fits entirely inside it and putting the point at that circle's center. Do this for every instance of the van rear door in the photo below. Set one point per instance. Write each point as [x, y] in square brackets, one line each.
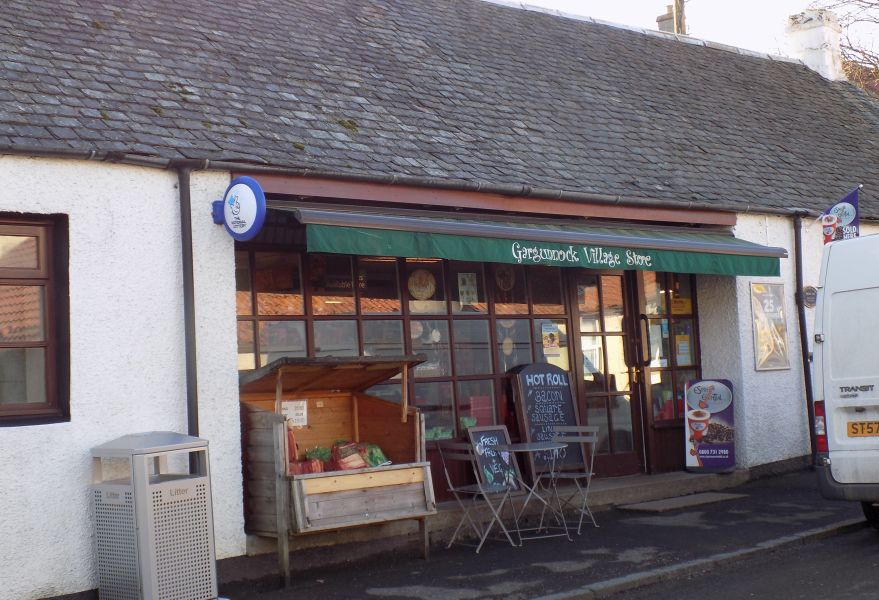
[847, 361]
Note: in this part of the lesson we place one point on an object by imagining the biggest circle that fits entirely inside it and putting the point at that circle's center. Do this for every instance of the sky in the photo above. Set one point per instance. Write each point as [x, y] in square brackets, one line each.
[756, 25]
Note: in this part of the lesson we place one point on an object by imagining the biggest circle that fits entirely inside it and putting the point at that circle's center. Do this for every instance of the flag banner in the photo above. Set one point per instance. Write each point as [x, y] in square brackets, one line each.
[841, 221]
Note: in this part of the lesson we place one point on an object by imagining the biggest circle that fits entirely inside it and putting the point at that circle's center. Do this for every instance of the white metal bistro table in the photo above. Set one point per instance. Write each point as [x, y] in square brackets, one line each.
[535, 491]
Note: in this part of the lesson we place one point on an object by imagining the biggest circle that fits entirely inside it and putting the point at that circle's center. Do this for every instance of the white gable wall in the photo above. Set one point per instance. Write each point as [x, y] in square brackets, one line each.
[127, 360]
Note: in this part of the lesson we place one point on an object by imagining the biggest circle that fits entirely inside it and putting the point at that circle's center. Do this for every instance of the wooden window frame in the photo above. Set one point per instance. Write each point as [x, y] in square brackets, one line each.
[50, 274]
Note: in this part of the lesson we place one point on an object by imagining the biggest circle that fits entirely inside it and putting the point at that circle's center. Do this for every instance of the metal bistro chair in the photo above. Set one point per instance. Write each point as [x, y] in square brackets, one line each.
[470, 497]
[587, 437]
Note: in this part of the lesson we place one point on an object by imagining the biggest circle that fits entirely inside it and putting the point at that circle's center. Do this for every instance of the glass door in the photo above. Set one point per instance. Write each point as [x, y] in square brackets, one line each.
[668, 358]
[607, 391]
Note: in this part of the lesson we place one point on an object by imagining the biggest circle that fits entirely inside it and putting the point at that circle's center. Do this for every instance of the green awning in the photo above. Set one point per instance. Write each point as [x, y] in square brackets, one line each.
[567, 243]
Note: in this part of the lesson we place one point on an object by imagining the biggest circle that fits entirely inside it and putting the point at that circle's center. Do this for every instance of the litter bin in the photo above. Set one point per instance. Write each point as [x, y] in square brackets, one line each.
[154, 529]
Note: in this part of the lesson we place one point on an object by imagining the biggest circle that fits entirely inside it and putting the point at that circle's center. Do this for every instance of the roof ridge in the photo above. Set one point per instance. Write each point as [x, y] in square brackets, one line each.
[686, 39]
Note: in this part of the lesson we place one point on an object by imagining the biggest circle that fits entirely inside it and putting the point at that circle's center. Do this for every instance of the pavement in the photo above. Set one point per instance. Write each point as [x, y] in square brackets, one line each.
[650, 529]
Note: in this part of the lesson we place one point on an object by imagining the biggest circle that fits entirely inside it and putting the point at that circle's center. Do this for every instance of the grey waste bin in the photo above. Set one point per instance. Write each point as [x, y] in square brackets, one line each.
[154, 528]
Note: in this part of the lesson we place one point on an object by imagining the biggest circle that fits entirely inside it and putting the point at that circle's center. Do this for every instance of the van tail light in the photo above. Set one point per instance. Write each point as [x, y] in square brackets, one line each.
[820, 428]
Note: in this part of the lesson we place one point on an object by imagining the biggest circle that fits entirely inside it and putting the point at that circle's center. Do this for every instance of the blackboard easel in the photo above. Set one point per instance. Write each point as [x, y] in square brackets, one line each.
[543, 397]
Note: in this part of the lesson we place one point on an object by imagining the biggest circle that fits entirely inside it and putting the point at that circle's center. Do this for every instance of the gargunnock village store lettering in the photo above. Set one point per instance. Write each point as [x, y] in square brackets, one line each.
[595, 256]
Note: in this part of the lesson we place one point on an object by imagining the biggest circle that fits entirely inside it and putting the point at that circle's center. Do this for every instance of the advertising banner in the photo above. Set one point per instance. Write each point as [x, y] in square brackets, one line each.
[709, 426]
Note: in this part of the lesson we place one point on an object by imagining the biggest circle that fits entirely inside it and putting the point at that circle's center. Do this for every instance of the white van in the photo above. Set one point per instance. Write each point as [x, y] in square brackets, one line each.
[846, 373]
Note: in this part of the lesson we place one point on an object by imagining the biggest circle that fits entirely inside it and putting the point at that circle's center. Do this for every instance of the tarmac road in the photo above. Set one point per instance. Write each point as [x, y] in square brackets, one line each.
[628, 550]
[842, 567]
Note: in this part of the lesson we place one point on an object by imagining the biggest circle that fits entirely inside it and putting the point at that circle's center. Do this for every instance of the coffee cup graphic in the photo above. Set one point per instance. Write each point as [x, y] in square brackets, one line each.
[698, 420]
[829, 223]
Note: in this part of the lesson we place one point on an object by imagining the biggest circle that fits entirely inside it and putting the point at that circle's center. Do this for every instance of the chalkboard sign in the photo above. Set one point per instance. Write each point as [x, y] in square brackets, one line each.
[543, 399]
[496, 467]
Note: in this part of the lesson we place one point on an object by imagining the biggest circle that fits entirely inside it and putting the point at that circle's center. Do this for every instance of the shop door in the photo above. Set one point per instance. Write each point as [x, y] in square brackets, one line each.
[667, 348]
[605, 361]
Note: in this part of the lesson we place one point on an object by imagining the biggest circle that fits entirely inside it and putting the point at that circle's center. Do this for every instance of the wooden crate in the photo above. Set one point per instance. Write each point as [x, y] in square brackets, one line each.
[278, 504]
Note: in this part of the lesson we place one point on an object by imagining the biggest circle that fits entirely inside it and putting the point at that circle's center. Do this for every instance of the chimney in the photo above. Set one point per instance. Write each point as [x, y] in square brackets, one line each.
[813, 37]
[673, 19]
[666, 22]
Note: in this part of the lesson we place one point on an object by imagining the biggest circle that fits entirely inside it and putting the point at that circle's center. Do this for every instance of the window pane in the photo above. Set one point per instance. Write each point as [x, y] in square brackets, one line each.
[278, 284]
[683, 342]
[612, 302]
[617, 370]
[468, 288]
[660, 389]
[654, 295]
[426, 287]
[281, 338]
[510, 293]
[513, 343]
[551, 342]
[593, 363]
[682, 377]
[392, 392]
[23, 376]
[382, 338]
[472, 347]
[246, 350]
[475, 404]
[332, 287]
[336, 338]
[22, 313]
[596, 414]
[435, 401]
[243, 296]
[18, 252]
[682, 295]
[587, 304]
[378, 286]
[431, 338]
[546, 290]
[621, 416]
[658, 332]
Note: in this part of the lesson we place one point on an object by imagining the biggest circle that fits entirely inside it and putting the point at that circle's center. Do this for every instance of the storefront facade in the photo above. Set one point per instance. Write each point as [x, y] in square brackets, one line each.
[351, 280]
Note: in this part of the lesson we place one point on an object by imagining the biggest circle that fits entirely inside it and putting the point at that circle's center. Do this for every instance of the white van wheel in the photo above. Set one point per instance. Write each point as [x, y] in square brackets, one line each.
[871, 512]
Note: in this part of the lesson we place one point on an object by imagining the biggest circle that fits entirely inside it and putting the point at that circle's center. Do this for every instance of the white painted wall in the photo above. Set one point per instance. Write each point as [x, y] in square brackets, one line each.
[127, 361]
[770, 407]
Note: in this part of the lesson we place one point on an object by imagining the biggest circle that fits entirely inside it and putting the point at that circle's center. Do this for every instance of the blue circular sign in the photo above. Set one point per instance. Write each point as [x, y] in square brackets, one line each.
[244, 208]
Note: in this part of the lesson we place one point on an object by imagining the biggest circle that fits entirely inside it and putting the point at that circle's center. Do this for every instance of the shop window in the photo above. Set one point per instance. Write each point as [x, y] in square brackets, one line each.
[426, 287]
[546, 290]
[431, 338]
[276, 280]
[243, 289]
[510, 291]
[654, 293]
[280, 338]
[588, 304]
[467, 288]
[332, 284]
[612, 302]
[551, 342]
[472, 347]
[33, 322]
[378, 286]
[383, 338]
[336, 338]
[246, 346]
[475, 403]
[513, 343]
[435, 401]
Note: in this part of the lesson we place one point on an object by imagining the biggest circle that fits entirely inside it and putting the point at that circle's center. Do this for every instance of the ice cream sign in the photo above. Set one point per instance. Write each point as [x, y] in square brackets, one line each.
[242, 209]
[709, 426]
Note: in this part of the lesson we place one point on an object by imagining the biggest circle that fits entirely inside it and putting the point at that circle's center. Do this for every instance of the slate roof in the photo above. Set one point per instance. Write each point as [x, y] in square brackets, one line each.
[449, 89]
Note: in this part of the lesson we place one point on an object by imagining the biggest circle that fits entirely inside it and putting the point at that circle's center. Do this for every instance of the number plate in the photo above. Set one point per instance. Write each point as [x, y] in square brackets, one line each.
[863, 428]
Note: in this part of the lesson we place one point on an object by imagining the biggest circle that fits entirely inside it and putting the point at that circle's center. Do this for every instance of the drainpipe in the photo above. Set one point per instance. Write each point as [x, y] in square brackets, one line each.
[804, 335]
[184, 168]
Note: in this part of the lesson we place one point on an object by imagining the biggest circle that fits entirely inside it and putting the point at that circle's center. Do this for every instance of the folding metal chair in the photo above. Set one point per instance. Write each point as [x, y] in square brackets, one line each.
[472, 496]
[587, 437]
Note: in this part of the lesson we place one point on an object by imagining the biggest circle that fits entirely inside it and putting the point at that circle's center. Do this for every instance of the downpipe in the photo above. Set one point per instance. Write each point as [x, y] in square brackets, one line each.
[804, 332]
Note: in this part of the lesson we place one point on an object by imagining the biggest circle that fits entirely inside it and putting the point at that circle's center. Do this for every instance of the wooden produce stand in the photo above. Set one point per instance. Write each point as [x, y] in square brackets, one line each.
[328, 396]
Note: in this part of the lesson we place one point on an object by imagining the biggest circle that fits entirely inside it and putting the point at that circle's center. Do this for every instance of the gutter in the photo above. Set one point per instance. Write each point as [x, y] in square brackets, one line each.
[516, 190]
